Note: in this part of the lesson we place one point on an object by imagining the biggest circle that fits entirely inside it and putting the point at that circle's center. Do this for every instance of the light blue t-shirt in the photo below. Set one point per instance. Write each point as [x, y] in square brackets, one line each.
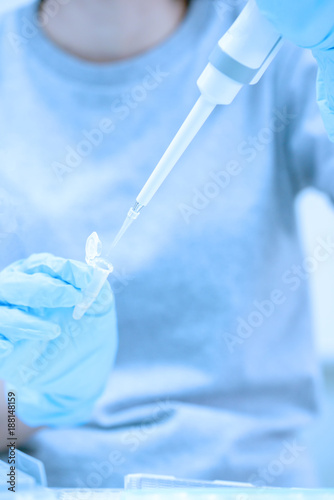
[216, 373]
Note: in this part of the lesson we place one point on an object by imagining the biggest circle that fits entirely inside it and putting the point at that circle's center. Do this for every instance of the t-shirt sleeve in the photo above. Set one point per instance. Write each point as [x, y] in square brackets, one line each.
[309, 151]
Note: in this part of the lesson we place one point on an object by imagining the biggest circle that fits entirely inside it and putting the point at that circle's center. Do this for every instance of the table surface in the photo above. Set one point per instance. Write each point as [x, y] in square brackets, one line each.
[197, 494]
[172, 494]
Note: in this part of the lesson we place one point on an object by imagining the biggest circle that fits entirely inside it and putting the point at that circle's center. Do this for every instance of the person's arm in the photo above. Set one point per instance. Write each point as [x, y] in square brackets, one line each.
[308, 161]
[309, 25]
[22, 431]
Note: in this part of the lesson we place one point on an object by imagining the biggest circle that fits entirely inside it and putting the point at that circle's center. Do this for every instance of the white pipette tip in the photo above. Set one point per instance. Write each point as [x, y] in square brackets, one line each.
[126, 224]
[132, 215]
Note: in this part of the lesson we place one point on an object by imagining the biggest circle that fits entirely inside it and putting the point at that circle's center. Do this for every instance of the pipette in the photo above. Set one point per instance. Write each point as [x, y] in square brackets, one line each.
[241, 57]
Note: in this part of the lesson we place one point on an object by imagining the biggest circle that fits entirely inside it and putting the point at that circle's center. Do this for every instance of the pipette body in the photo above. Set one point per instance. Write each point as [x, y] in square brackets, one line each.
[241, 57]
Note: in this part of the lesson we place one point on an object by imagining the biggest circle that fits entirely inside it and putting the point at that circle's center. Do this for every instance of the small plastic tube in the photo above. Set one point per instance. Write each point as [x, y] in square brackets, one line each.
[92, 291]
[102, 269]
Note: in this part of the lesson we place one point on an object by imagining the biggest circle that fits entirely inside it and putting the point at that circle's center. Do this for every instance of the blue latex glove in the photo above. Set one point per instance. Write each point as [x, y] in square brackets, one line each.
[309, 24]
[58, 366]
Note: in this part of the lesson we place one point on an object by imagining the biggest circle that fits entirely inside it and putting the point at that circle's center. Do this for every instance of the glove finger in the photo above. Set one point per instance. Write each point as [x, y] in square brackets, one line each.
[76, 273]
[308, 24]
[36, 290]
[16, 325]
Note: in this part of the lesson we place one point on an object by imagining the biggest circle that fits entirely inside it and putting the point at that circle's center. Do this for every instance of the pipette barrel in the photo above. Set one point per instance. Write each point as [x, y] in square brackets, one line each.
[193, 123]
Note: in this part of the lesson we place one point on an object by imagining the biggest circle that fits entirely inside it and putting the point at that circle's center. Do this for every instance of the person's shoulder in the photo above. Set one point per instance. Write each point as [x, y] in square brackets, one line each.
[16, 28]
[8, 14]
[220, 15]
[8, 24]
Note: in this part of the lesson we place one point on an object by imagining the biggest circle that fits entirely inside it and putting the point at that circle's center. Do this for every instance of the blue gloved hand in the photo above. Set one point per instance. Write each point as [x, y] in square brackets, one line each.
[309, 24]
[58, 366]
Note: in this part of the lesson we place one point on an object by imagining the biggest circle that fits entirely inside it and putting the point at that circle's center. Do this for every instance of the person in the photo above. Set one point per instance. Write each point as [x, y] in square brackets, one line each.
[216, 374]
[309, 26]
